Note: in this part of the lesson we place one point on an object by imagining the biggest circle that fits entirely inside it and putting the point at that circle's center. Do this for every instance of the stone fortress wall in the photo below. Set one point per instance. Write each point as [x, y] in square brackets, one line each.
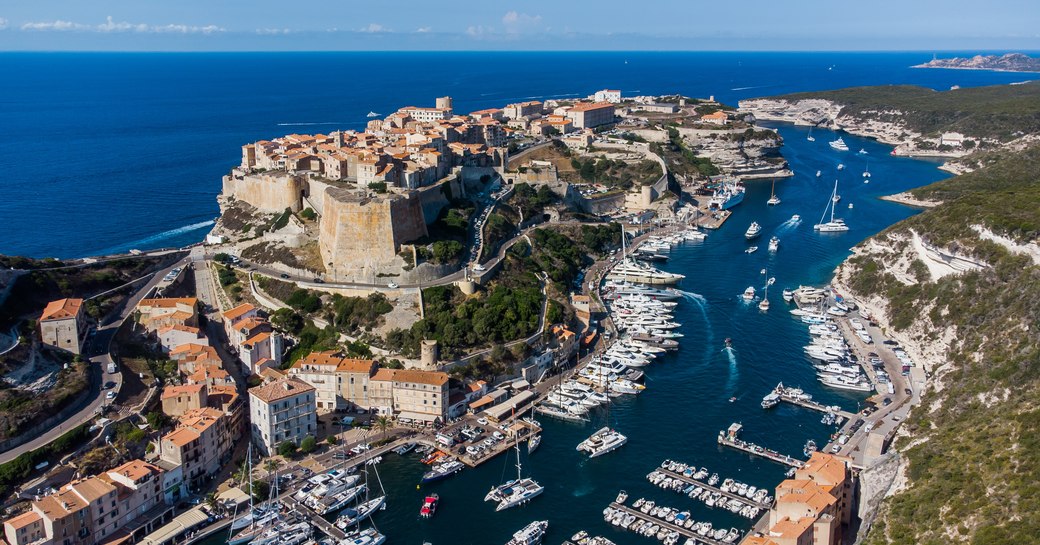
[267, 192]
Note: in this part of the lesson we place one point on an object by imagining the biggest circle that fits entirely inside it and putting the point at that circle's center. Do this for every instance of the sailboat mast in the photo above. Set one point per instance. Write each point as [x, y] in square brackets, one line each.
[834, 195]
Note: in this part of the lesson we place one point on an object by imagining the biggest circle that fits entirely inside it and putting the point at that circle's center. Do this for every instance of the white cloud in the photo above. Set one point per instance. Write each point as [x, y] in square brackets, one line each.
[423, 29]
[269, 31]
[374, 27]
[3, 23]
[477, 31]
[517, 22]
[111, 25]
[55, 25]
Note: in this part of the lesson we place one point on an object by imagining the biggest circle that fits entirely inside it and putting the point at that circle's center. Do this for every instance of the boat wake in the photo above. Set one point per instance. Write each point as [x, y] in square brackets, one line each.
[786, 226]
[157, 237]
[734, 372]
[702, 305]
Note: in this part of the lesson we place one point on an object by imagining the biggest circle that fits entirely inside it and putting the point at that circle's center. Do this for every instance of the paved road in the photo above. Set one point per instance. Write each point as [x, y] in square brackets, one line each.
[97, 350]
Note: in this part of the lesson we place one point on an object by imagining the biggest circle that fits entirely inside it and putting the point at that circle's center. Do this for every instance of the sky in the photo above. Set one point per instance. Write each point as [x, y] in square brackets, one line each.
[332, 25]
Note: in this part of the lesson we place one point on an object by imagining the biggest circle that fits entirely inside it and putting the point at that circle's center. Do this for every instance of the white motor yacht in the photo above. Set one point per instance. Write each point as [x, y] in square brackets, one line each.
[605, 440]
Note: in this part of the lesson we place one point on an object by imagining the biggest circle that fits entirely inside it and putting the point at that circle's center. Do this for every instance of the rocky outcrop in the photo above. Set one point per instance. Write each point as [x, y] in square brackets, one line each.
[1010, 62]
[743, 153]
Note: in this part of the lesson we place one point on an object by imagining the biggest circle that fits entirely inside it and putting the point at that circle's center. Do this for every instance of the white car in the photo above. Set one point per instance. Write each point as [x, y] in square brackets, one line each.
[392, 285]
[478, 267]
[482, 421]
[110, 395]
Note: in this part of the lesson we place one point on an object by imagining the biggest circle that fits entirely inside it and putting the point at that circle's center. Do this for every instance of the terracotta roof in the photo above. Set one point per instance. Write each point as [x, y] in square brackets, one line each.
[280, 389]
[91, 488]
[809, 493]
[191, 348]
[823, 468]
[60, 505]
[136, 470]
[23, 520]
[791, 529]
[758, 540]
[435, 378]
[327, 358]
[589, 106]
[350, 365]
[239, 311]
[174, 391]
[62, 309]
[259, 337]
[181, 436]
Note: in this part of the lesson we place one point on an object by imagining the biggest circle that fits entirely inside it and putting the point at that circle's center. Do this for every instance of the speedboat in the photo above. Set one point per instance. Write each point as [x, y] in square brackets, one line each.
[788, 295]
[796, 218]
[443, 470]
[774, 244]
[368, 536]
[751, 250]
[429, 506]
[819, 173]
[839, 144]
[753, 231]
[749, 293]
[372, 114]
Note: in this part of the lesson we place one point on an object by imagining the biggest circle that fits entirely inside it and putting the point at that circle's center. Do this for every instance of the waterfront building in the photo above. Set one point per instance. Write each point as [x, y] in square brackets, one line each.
[813, 508]
[282, 410]
[410, 394]
[63, 325]
[588, 115]
[612, 96]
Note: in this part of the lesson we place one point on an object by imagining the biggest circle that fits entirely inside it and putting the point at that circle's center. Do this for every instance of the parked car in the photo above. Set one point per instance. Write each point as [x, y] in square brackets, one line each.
[392, 285]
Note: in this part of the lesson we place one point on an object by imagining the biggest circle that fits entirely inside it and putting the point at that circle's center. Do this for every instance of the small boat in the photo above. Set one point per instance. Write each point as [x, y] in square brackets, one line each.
[621, 497]
[810, 447]
[819, 173]
[533, 443]
[749, 294]
[772, 399]
[788, 295]
[429, 506]
[372, 114]
[862, 151]
[866, 175]
[751, 250]
[774, 244]
[753, 231]
[405, 449]
[810, 137]
[732, 399]
[796, 218]
[729, 341]
[763, 304]
[763, 271]
[839, 144]
[850, 206]
[841, 166]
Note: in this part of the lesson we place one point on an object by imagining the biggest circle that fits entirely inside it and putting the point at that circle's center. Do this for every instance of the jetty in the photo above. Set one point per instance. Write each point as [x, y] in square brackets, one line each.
[796, 397]
[685, 532]
[314, 519]
[730, 439]
[712, 220]
[689, 480]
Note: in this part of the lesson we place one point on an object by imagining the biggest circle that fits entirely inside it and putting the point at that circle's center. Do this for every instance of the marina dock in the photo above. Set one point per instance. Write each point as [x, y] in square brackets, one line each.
[685, 532]
[315, 519]
[742, 499]
[815, 406]
[712, 220]
[730, 439]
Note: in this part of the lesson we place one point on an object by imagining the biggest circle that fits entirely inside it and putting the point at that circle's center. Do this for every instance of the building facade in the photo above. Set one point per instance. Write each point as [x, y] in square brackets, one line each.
[62, 325]
[282, 410]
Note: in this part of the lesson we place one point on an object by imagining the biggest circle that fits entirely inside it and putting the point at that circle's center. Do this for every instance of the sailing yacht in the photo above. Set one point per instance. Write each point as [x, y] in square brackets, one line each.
[810, 137]
[773, 199]
[866, 174]
[839, 144]
[835, 225]
[517, 491]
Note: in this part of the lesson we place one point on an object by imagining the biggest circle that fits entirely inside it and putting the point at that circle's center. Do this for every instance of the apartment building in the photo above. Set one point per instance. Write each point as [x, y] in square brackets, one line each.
[410, 394]
[588, 115]
[63, 325]
[157, 313]
[612, 96]
[282, 410]
[200, 444]
[813, 508]
[177, 400]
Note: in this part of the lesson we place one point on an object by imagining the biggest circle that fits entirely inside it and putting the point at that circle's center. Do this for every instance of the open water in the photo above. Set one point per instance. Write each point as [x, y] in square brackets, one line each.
[105, 152]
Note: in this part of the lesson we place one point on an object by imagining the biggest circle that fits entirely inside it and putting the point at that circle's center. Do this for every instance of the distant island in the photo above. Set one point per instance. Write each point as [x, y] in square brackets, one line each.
[1011, 62]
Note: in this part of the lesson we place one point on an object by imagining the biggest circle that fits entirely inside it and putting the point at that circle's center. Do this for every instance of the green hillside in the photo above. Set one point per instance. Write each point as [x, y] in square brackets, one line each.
[974, 447]
[1001, 112]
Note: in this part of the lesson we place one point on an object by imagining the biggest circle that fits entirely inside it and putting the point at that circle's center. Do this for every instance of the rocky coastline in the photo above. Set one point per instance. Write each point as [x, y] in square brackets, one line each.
[1010, 62]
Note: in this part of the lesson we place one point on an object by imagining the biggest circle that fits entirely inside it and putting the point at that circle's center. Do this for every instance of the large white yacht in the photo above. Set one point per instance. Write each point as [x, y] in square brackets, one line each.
[602, 442]
[839, 144]
[632, 271]
[530, 534]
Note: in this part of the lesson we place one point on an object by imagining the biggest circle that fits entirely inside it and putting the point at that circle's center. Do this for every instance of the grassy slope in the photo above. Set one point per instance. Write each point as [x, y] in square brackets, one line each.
[975, 460]
[1000, 111]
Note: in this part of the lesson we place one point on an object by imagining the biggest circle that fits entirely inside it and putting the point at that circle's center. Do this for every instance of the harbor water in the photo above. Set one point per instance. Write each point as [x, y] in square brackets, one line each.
[688, 396]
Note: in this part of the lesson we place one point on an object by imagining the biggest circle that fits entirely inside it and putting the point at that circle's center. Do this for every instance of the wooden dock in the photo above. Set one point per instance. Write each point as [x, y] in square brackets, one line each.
[685, 532]
[689, 480]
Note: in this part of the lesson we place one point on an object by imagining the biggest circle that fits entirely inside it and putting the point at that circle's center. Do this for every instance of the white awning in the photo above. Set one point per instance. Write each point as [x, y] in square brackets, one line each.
[180, 524]
[421, 417]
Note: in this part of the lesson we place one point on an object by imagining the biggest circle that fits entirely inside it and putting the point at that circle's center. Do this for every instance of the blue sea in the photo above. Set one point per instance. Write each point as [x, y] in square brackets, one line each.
[105, 152]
